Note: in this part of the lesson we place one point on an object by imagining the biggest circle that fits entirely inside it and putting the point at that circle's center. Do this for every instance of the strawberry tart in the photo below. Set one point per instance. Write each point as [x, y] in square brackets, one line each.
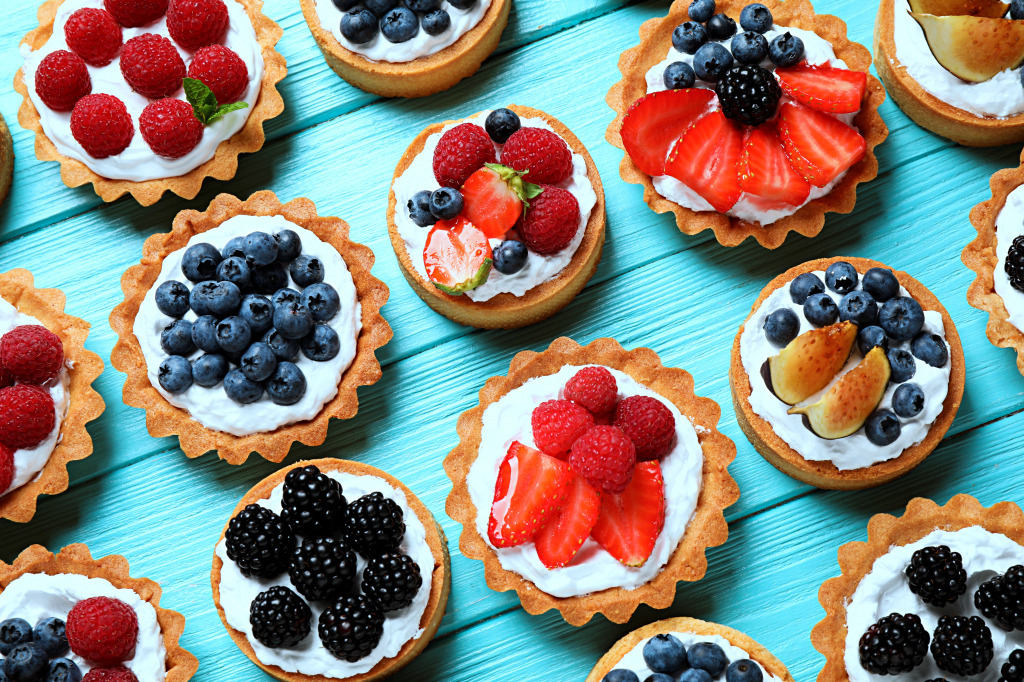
[497, 220]
[144, 97]
[590, 479]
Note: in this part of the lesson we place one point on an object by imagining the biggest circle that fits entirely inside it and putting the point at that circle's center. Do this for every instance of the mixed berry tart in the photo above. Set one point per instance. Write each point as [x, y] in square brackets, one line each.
[248, 327]
[760, 119]
[497, 220]
[590, 479]
[67, 617]
[331, 570]
[143, 97]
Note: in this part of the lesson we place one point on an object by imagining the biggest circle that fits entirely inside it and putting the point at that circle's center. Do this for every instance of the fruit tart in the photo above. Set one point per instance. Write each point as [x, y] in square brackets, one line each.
[67, 617]
[46, 394]
[406, 49]
[934, 594]
[590, 479]
[248, 327]
[143, 97]
[846, 374]
[497, 220]
[331, 570]
[750, 120]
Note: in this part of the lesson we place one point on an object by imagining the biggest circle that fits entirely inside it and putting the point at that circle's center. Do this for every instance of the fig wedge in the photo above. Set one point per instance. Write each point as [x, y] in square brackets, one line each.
[809, 362]
[955, 43]
[951, 8]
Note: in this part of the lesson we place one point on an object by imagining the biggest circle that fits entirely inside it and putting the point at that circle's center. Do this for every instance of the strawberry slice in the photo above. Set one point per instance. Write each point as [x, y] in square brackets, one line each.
[630, 522]
[765, 170]
[819, 146]
[654, 123]
[457, 256]
[559, 541]
[707, 160]
[494, 197]
[825, 88]
[530, 489]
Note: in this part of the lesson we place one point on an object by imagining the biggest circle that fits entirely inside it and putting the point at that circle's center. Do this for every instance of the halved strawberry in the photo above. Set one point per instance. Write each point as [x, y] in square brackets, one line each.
[530, 489]
[457, 256]
[561, 538]
[494, 197]
[765, 170]
[654, 123]
[707, 160]
[826, 88]
[819, 146]
[630, 522]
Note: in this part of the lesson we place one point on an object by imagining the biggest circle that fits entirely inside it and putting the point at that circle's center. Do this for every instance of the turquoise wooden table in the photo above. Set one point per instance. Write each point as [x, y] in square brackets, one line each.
[140, 497]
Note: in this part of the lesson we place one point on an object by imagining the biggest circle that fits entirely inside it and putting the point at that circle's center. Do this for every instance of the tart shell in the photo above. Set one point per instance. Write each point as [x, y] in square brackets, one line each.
[824, 474]
[224, 163]
[6, 160]
[507, 311]
[164, 419]
[84, 366]
[656, 39]
[708, 527]
[440, 582]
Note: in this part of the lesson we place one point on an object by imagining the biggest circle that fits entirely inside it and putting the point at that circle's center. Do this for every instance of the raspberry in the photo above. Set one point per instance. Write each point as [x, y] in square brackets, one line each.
[222, 71]
[94, 35]
[152, 66]
[593, 388]
[460, 152]
[543, 154]
[133, 13]
[31, 353]
[551, 221]
[26, 416]
[170, 127]
[6, 467]
[605, 456]
[103, 630]
[6, 378]
[197, 23]
[62, 79]
[649, 424]
[557, 424]
[116, 674]
[102, 125]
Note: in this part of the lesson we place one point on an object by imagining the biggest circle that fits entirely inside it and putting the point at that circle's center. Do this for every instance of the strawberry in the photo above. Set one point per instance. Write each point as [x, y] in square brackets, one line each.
[457, 256]
[531, 488]
[765, 170]
[462, 151]
[707, 160]
[170, 127]
[819, 146]
[94, 35]
[62, 78]
[494, 197]
[630, 522]
[541, 154]
[561, 538]
[825, 88]
[197, 23]
[134, 13]
[221, 70]
[152, 66]
[654, 123]
[102, 125]
[551, 221]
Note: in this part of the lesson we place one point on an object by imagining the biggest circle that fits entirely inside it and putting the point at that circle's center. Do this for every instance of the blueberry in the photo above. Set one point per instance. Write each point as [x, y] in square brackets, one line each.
[756, 17]
[306, 270]
[1017, 9]
[260, 248]
[287, 385]
[172, 298]
[321, 300]
[258, 362]
[881, 284]
[786, 50]
[233, 249]
[258, 312]
[233, 334]
[446, 203]
[743, 670]
[199, 298]
[419, 209]
[659, 677]
[501, 123]
[292, 320]
[901, 365]
[399, 25]
[209, 370]
[781, 327]
[462, 4]
[175, 374]
[908, 400]
[858, 307]
[678, 76]
[750, 48]
[63, 670]
[721, 26]
[286, 295]
[882, 428]
[803, 286]
[240, 389]
[225, 299]
[711, 62]
[360, 26]
[841, 277]
[50, 634]
[930, 348]
[869, 337]
[321, 344]
[436, 22]
[204, 334]
[707, 657]
[346, 5]
[820, 310]
[689, 36]
[380, 7]
[289, 245]
[269, 278]
[901, 318]
[664, 654]
[235, 270]
[284, 349]
[621, 675]
[695, 675]
[199, 263]
[176, 338]
[510, 256]
[25, 663]
[422, 6]
[14, 631]
[701, 10]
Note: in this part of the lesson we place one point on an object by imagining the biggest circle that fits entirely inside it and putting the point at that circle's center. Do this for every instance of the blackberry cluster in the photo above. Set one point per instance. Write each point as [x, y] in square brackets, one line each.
[351, 627]
[1001, 599]
[259, 542]
[1013, 669]
[374, 524]
[748, 94]
[962, 645]
[322, 568]
[937, 575]
[896, 644]
[280, 618]
[1015, 263]
[392, 580]
[314, 504]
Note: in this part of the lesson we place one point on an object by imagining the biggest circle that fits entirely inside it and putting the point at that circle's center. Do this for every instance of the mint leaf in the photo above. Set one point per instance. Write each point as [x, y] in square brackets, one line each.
[227, 109]
[204, 102]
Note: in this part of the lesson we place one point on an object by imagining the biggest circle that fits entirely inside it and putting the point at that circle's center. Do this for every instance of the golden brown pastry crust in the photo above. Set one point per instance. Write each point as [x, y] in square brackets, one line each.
[656, 39]
[824, 474]
[222, 166]
[440, 582]
[6, 160]
[164, 419]
[707, 528]
[506, 311]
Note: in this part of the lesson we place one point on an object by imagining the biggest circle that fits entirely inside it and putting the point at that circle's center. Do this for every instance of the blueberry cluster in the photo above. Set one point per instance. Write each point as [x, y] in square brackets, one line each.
[36, 654]
[670, 661]
[397, 20]
[1014, 265]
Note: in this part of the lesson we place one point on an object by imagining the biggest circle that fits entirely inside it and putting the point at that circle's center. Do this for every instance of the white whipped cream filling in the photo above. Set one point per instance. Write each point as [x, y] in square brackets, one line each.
[539, 268]
[855, 451]
[138, 162]
[817, 51]
[311, 657]
[1009, 225]
[35, 596]
[885, 590]
[1000, 96]
[634, 659]
[210, 406]
[593, 569]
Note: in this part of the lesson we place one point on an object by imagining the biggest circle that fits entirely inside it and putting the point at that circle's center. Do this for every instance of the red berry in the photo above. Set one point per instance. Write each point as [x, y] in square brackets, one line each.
[630, 523]
[133, 13]
[62, 79]
[170, 127]
[6, 468]
[707, 159]
[826, 88]
[604, 456]
[116, 674]
[222, 71]
[593, 388]
[460, 152]
[26, 416]
[152, 66]
[102, 125]
[551, 221]
[649, 424]
[103, 630]
[541, 152]
[31, 353]
[654, 123]
[6, 378]
[197, 23]
[557, 424]
[94, 35]
[530, 489]
[820, 146]
[457, 256]
[561, 538]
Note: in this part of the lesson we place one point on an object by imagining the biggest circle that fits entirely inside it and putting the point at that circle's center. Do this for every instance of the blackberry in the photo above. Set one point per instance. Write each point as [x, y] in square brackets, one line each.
[1001, 599]
[1014, 265]
[1013, 669]
[962, 645]
[322, 568]
[392, 580]
[937, 575]
[895, 644]
[748, 94]
[374, 525]
[260, 542]
[351, 628]
[280, 618]
[313, 502]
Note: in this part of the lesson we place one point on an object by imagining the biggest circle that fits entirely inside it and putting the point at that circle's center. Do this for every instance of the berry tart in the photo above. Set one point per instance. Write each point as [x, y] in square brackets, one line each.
[331, 570]
[497, 220]
[937, 593]
[846, 374]
[760, 119]
[143, 97]
[248, 327]
[665, 650]
[46, 394]
[67, 617]
[406, 49]
[591, 479]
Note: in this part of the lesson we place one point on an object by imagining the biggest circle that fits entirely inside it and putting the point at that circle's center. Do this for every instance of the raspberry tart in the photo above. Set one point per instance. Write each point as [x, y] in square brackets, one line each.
[760, 119]
[497, 220]
[68, 616]
[248, 327]
[590, 479]
[846, 374]
[331, 570]
[151, 96]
